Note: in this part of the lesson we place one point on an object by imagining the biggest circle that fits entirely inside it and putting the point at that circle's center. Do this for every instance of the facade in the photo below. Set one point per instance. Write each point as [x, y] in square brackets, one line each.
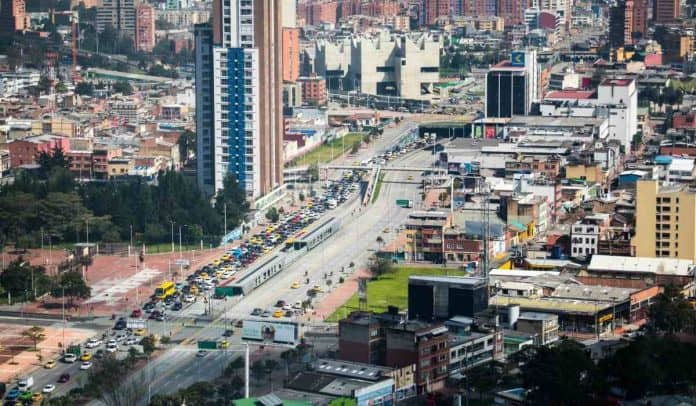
[144, 28]
[291, 54]
[585, 235]
[512, 87]
[432, 10]
[438, 298]
[118, 13]
[543, 326]
[421, 344]
[401, 65]
[627, 22]
[471, 350]
[512, 11]
[24, 151]
[361, 338]
[665, 221]
[239, 97]
[666, 11]
[12, 16]
[313, 90]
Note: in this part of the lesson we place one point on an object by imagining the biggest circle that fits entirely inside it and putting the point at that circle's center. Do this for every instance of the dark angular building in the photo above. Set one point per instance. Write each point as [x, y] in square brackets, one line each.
[443, 297]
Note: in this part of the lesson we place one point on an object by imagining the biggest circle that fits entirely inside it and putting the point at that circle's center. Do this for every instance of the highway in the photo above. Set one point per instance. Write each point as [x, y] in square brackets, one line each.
[178, 366]
[354, 242]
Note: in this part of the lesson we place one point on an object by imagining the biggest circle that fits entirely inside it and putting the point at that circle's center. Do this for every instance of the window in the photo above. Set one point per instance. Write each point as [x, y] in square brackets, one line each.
[429, 69]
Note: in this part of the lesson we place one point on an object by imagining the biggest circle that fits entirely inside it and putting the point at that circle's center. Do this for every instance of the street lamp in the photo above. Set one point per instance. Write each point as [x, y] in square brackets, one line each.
[180, 249]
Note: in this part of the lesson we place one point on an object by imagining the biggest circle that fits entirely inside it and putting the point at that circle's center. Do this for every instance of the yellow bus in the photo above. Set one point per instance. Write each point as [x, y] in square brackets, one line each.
[165, 289]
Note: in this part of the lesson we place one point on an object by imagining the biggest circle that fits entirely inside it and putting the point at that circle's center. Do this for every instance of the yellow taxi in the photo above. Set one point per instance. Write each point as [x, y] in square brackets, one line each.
[193, 289]
[86, 356]
[295, 285]
[216, 262]
[316, 288]
[204, 275]
[225, 257]
[266, 250]
[410, 177]
[139, 331]
[278, 314]
[50, 364]
[37, 397]
[224, 344]
[387, 230]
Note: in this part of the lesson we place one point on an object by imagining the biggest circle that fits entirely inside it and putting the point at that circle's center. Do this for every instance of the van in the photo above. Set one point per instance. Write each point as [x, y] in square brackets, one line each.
[25, 383]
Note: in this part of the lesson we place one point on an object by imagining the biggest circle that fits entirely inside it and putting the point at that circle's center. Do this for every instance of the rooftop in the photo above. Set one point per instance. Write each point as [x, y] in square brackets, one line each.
[350, 369]
[594, 292]
[570, 94]
[536, 316]
[552, 305]
[461, 280]
[662, 266]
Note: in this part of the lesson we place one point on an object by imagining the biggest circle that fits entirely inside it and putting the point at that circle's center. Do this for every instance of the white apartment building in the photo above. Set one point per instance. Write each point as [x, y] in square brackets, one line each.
[585, 234]
[13, 83]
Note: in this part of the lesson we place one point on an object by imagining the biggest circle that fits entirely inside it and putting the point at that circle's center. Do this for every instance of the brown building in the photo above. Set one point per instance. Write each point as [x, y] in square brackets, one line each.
[25, 151]
[433, 10]
[666, 11]
[291, 54]
[512, 11]
[361, 338]
[12, 16]
[315, 13]
[313, 90]
[425, 345]
[144, 28]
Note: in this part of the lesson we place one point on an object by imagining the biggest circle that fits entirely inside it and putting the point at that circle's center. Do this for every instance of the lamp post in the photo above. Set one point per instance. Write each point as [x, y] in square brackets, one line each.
[172, 223]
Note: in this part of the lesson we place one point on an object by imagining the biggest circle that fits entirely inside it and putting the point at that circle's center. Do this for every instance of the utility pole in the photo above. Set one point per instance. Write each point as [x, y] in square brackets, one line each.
[246, 372]
[172, 223]
[130, 247]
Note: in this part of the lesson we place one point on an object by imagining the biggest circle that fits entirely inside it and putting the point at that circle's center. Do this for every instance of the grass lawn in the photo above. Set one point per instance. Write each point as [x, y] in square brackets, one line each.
[378, 187]
[324, 153]
[167, 247]
[390, 290]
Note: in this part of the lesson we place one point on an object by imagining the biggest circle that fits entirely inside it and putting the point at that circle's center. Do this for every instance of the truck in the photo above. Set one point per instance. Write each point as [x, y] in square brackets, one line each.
[405, 203]
[24, 384]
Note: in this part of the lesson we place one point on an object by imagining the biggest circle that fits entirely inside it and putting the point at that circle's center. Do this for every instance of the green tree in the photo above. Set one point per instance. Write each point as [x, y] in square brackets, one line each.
[379, 266]
[313, 172]
[187, 145]
[61, 88]
[670, 312]
[35, 334]
[562, 375]
[84, 89]
[73, 286]
[123, 87]
[234, 367]
[258, 370]
[232, 200]
[272, 215]
[355, 147]
[148, 344]
[21, 279]
[45, 84]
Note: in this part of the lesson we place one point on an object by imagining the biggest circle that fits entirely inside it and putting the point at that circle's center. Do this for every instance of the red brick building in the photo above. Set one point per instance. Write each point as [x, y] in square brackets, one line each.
[24, 151]
[512, 11]
[313, 90]
[426, 346]
[12, 16]
[144, 28]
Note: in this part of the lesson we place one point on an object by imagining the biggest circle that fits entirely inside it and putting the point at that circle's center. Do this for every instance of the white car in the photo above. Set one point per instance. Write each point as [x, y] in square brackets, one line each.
[297, 305]
[86, 365]
[189, 299]
[69, 358]
[49, 388]
[93, 343]
[111, 342]
[111, 348]
[131, 341]
[287, 307]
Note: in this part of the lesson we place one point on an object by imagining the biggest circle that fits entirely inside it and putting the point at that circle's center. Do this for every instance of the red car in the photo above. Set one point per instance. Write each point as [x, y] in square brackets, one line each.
[137, 313]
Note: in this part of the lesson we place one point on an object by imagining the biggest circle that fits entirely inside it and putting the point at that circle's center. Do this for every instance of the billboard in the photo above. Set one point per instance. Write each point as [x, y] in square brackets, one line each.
[270, 331]
[517, 58]
[135, 323]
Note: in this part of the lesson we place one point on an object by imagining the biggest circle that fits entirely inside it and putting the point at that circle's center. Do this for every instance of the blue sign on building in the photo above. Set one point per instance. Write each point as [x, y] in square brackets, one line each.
[517, 58]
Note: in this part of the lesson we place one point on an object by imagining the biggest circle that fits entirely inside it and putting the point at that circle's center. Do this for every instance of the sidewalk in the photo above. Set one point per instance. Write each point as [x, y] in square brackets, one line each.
[339, 295]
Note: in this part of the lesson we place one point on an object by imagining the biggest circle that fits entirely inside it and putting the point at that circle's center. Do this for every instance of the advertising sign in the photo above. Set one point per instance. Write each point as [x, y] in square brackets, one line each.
[270, 331]
[517, 58]
[135, 323]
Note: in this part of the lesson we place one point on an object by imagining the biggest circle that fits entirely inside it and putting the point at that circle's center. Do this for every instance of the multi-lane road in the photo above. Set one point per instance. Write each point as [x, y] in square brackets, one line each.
[355, 241]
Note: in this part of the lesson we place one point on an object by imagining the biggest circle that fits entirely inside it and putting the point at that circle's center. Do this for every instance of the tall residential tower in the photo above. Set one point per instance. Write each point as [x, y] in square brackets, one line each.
[239, 114]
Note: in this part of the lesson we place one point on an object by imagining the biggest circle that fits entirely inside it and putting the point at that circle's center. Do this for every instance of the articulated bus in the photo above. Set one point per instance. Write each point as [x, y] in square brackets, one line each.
[165, 289]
